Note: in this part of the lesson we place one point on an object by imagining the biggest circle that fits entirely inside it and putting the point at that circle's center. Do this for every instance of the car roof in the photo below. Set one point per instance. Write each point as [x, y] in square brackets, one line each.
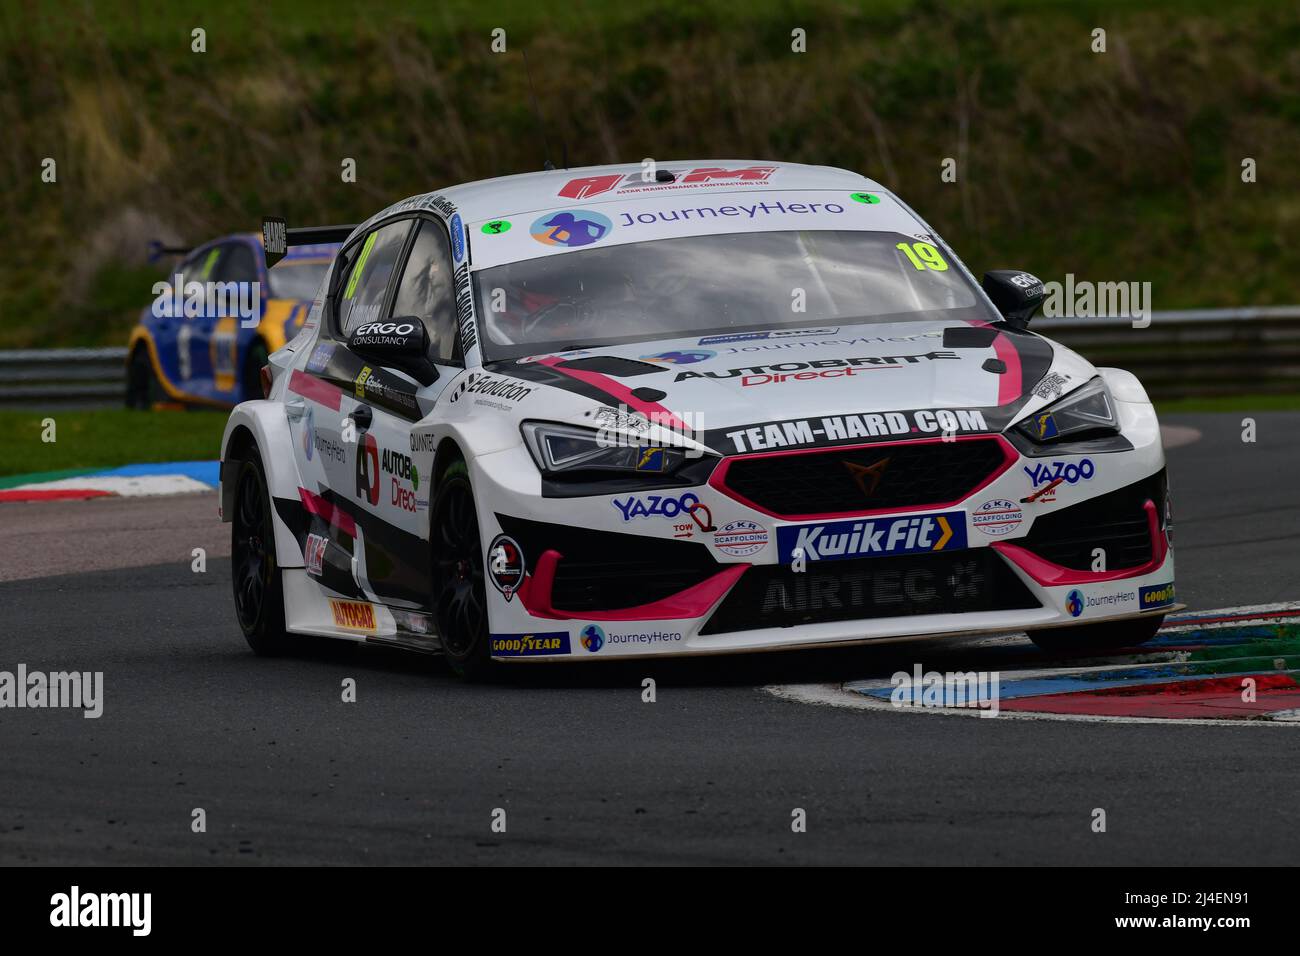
[526, 192]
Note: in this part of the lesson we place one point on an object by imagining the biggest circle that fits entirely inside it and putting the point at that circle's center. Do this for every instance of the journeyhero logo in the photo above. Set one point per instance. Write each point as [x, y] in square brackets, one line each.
[758, 210]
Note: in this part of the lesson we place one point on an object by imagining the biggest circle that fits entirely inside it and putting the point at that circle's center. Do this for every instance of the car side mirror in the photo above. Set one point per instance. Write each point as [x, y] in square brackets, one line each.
[400, 342]
[1016, 294]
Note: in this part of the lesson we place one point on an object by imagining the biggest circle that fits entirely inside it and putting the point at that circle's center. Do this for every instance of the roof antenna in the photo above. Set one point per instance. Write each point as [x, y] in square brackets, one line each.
[541, 123]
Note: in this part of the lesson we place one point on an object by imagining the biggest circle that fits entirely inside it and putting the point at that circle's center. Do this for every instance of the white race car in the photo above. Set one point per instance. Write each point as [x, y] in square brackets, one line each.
[711, 407]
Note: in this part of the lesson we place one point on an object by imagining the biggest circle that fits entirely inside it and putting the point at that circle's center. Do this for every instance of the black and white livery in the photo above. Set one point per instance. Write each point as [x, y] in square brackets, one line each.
[718, 406]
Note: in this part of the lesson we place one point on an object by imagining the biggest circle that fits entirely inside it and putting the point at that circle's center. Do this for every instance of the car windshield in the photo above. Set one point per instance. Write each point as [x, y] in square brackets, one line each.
[297, 280]
[703, 285]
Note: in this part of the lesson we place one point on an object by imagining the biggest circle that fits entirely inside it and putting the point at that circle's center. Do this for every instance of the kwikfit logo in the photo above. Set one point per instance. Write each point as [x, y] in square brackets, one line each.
[906, 534]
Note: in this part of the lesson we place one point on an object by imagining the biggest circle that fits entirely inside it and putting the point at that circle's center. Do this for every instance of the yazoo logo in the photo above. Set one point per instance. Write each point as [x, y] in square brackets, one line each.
[1069, 472]
[904, 534]
[656, 506]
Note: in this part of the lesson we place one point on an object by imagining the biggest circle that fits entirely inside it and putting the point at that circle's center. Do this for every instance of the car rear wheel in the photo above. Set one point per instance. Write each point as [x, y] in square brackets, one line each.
[142, 387]
[459, 587]
[259, 594]
[1098, 637]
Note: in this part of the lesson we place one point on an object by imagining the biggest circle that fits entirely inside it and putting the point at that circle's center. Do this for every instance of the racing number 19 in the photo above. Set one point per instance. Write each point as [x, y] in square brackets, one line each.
[923, 255]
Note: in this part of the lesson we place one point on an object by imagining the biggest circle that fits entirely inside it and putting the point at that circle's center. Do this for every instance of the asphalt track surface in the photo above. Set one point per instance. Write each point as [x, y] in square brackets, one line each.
[586, 772]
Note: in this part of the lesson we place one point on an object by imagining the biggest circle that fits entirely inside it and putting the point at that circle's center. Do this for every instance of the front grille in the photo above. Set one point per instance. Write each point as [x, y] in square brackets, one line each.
[1116, 522]
[870, 478]
[605, 571]
[868, 588]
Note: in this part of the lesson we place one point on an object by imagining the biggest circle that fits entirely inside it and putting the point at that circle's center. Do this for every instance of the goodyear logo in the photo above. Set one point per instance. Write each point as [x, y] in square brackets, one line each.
[903, 534]
[353, 615]
[530, 645]
[1156, 595]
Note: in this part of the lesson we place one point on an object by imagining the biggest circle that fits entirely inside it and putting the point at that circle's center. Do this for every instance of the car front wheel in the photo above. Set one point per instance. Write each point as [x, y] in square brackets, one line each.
[459, 591]
[259, 593]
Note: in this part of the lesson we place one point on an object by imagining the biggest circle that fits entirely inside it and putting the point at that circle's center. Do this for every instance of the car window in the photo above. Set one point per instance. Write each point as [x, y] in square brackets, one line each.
[237, 265]
[724, 283]
[426, 290]
[297, 278]
[362, 294]
[200, 266]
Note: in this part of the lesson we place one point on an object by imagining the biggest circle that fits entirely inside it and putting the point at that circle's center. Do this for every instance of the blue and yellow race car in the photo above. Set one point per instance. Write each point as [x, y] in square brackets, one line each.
[210, 327]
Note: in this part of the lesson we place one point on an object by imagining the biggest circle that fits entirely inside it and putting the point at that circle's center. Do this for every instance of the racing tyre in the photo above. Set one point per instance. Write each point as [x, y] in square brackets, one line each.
[1098, 637]
[142, 387]
[250, 384]
[459, 588]
[259, 593]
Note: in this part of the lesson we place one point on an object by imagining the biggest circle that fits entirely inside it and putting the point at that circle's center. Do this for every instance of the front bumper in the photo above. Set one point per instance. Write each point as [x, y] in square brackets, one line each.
[665, 577]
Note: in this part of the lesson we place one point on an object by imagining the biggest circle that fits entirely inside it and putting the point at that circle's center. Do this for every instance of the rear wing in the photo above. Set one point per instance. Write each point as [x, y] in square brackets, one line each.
[158, 249]
[277, 238]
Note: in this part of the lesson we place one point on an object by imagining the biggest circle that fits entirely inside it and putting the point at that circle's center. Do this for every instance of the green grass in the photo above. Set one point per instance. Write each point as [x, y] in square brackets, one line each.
[1231, 403]
[1115, 166]
[112, 437]
[106, 439]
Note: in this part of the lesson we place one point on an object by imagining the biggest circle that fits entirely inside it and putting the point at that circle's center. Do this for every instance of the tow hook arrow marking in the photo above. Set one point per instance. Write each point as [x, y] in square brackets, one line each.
[1041, 491]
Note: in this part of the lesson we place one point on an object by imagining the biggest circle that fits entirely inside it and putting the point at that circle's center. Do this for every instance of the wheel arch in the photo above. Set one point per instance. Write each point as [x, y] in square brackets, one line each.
[263, 425]
[449, 451]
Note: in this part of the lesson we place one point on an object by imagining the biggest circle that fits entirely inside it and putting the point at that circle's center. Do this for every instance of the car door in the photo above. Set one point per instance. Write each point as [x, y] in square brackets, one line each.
[380, 488]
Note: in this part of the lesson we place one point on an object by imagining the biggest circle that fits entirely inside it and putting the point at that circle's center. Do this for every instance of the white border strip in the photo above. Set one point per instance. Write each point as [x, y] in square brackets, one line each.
[835, 695]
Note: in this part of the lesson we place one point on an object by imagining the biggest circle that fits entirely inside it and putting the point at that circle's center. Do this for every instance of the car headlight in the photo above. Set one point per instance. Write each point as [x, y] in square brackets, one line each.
[565, 449]
[1086, 412]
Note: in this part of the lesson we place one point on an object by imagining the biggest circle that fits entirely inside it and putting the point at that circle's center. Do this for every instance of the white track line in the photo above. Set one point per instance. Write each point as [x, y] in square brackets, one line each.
[125, 486]
[1175, 436]
[1186, 620]
[835, 695]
